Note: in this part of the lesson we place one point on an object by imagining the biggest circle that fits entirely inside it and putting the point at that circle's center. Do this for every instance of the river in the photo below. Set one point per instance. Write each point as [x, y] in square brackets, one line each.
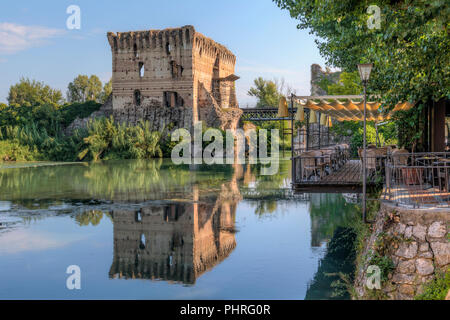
[153, 230]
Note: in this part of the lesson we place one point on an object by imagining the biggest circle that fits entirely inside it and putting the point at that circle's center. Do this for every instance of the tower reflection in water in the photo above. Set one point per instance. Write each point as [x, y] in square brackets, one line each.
[176, 241]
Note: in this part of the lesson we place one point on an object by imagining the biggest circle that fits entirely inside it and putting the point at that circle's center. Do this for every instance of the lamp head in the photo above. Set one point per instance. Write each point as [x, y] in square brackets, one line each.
[364, 71]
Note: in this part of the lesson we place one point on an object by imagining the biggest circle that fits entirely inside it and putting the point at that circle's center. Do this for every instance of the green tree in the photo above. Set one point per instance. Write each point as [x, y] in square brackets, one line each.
[410, 50]
[106, 92]
[84, 88]
[266, 91]
[31, 93]
[349, 83]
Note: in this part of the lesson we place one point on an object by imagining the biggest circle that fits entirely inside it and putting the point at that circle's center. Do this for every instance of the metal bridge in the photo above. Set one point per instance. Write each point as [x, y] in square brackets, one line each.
[263, 114]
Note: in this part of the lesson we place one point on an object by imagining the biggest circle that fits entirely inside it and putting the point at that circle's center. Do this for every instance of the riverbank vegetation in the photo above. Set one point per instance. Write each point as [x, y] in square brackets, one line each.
[32, 126]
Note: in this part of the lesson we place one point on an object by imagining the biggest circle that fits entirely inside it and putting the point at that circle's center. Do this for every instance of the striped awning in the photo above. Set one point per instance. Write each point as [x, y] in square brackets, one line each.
[348, 108]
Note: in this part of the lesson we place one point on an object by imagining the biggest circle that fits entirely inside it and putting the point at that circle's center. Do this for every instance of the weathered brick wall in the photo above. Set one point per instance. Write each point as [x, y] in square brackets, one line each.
[159, 117]
[156, 50]
[179, 65]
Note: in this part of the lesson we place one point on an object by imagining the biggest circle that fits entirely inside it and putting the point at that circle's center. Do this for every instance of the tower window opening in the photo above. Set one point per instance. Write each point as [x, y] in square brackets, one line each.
[141, 69]
[142, 242]
[137, 97]
[138, 216]
[135, 51]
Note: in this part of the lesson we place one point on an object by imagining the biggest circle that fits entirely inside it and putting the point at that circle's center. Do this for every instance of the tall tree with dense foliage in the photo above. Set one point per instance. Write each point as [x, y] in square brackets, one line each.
[266, 92]
[269, 92]
[349, 83]
[84, 88]
[106, 92]
[31, 93]
[410, 50]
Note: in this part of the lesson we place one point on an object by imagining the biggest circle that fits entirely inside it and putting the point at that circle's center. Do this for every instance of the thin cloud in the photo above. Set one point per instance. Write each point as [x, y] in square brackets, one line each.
[16, 37]
[21, 240]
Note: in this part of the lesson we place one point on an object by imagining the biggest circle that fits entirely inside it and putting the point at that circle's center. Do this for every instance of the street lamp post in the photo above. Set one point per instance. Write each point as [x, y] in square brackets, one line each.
[364, 73]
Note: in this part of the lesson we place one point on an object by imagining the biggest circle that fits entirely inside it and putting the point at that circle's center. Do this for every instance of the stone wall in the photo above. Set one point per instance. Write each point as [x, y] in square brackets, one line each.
[416, 241]
[215, 116]
[160, 118]
[317, 74]
[104, 111]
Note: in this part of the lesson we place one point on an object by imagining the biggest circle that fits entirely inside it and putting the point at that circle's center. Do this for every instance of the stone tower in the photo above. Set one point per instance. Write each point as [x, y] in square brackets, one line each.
[173, 76]
[318, 74]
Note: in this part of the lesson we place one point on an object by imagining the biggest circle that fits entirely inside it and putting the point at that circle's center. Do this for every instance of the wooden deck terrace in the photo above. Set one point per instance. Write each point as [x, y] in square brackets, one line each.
[347, 177]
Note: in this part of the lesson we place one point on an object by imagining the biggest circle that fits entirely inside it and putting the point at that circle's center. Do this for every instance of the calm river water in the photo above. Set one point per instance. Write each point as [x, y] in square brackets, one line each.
[153, 230]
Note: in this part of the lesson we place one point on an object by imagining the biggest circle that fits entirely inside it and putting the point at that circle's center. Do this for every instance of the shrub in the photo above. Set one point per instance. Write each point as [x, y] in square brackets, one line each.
[437, 289]
[11, 150]
[109, 140]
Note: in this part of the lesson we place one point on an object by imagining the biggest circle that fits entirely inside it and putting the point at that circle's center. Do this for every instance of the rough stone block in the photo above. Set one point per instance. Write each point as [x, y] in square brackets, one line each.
[424, 247]
[424, 266]
[406, 289]
[441, 252]
[406, 266]
[400, 229]
[404, 278]
[408, 232]
[437, 230]
[420, 232]
[407, 250]
[426, 255]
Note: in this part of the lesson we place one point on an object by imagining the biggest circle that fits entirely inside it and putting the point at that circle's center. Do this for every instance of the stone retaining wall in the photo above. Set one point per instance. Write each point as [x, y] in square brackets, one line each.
[417, 243]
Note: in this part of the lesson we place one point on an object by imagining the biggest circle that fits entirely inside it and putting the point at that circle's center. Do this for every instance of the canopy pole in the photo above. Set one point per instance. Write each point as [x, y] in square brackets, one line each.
[377, 140]
[307, 129]
[320, 138]
[328, 133]
[292, 139]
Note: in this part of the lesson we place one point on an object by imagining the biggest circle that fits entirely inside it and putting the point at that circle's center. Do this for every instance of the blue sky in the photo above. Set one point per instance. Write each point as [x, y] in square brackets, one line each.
[35, 43]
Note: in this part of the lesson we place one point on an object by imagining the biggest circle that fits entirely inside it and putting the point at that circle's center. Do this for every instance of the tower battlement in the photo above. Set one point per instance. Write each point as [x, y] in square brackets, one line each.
[171, 76]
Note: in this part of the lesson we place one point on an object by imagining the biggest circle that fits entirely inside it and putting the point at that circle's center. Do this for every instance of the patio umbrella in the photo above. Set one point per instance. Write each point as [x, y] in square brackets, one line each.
[283, 108]
[300, 115]
[323, 119]
[312, 118]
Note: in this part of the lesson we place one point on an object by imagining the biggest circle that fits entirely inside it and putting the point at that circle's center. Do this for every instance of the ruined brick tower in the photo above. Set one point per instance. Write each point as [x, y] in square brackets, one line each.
[173, 76]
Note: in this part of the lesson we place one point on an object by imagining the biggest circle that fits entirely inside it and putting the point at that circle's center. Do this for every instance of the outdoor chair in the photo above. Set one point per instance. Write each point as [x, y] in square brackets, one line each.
[371, 162]
[381, 155]
[400, 159]
[312, 165]
[329, 157]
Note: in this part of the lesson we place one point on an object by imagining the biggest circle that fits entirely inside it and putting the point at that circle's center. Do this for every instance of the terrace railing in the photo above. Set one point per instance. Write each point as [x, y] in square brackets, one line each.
[418, 180]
